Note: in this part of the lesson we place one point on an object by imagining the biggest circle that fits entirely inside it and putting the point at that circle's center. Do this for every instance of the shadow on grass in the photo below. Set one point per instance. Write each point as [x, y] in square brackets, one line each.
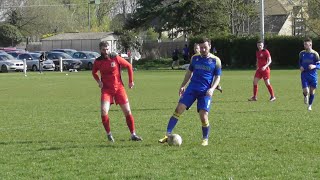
[144, 109]
[22, 142]
[258, 111]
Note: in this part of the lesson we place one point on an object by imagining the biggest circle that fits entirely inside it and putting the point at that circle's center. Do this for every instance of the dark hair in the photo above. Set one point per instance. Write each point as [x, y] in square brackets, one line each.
[103, 44]
[203, 40]
[307, 40]
[259, 41]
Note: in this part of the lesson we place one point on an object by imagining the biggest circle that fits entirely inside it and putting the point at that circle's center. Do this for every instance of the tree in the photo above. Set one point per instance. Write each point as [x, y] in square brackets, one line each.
[314, 17]
[188, 16]
[9, 35]
[241, 12]
[33, 20]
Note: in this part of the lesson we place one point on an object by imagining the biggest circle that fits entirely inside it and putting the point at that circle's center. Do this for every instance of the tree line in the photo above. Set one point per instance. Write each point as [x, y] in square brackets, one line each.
[133, 20]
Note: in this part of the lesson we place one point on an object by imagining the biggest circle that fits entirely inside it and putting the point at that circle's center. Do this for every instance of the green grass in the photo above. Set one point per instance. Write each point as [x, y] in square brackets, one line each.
[51, 129]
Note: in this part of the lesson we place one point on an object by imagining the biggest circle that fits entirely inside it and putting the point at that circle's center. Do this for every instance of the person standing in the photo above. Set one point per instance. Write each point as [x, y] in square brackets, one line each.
[186, 54]
[204, 76]
[42, 58]
[175, 58]
[309, 63]
[263, 71]
[112, 89]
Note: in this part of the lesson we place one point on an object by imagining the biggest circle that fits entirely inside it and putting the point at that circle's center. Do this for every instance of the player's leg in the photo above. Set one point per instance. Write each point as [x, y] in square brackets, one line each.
[266, 78]
[184, 103]
[313, 86]
[270, 89]
[173, 121]
[205, 127]
[105, 107]
[203, 105]
[305, 89]
[121, 98]
[311, 97]
[256, 79]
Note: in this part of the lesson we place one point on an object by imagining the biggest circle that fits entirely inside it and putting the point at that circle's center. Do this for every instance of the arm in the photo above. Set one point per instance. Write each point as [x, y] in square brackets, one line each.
[267, 65]
[216, 80]
[95, 74]
[268, 61]
[215, 83]
[316, 62]
[300, 63]
[186, 79]
[126, 64]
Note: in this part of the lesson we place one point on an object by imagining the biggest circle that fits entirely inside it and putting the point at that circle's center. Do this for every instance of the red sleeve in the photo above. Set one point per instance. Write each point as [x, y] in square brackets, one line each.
[267, 53]
[124, 63]
[95, 70]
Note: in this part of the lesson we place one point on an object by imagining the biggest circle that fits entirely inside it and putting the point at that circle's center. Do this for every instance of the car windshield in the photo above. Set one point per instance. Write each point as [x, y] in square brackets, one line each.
[93, 54]
[63, 55]
[35, 55]
[6, 57]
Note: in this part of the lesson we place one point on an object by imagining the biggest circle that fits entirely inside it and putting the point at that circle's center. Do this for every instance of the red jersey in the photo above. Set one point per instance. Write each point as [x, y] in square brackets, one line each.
[262, 57]
[110, 71]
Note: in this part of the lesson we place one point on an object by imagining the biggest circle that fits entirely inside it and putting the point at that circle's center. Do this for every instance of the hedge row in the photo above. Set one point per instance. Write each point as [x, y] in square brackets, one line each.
[240, 52]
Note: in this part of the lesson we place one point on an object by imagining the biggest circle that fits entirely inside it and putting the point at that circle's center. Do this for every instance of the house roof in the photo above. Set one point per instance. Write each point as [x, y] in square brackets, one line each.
[274, 7]
[273, 24]
[73, 36]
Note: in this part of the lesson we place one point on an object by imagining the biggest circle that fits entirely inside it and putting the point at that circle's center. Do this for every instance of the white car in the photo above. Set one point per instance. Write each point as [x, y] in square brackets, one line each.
[9, 63]
[32, 60]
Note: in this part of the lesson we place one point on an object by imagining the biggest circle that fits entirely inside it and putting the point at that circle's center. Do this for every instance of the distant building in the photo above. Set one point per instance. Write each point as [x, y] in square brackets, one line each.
[283, 17]
[79, 41]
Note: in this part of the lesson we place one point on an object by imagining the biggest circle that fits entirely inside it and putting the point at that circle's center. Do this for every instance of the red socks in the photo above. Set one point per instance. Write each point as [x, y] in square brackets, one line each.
[270, 90]
[129, 120]
[106, 123]
[255, 90]
[130, 123]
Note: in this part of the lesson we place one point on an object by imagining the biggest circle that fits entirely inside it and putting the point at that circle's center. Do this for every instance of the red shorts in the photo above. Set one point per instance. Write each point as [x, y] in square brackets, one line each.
[119, 96]
[263, 74]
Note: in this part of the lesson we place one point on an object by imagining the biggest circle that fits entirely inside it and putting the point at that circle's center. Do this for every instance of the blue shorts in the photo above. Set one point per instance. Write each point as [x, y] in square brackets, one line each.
[308, 80]
[203, 101]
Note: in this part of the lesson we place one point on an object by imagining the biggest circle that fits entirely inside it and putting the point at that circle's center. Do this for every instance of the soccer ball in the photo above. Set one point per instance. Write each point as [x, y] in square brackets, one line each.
[174, 140]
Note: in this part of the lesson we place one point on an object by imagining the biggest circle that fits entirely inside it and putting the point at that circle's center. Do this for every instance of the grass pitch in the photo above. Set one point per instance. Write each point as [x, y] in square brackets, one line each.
[51, 129]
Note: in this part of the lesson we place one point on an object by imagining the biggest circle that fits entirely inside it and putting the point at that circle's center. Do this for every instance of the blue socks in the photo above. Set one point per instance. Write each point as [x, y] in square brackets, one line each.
[205, 132]
[311, 99]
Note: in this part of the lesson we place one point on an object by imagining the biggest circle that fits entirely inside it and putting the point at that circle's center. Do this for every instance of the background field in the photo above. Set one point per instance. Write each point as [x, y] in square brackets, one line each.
[51, 129]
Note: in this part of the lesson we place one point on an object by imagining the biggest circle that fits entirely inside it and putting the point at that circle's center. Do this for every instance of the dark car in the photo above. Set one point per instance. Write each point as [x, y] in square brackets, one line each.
[68, 51]
[15, 53]
[87, 58]
[67, 61]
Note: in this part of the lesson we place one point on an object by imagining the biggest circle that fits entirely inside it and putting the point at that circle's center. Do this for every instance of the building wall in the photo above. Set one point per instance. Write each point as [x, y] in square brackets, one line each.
[77, 44]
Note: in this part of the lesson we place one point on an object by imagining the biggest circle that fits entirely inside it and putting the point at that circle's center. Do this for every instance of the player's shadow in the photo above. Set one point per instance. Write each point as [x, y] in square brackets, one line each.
[22, 142]
[144, 109]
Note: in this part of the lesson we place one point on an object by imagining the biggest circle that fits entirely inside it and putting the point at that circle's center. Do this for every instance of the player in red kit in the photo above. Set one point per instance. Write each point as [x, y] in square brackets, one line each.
[263, 71]
[112, 89]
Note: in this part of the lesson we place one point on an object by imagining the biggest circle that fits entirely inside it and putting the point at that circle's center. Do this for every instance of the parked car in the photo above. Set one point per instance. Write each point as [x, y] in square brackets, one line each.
[32, 60]
[15, 53]
[9, 63]
[67, 60]
[68, 51]
[86, 57]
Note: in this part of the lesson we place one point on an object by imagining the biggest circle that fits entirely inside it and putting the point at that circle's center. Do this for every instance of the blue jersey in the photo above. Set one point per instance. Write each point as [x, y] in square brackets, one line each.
[308, 58]
[204, 70]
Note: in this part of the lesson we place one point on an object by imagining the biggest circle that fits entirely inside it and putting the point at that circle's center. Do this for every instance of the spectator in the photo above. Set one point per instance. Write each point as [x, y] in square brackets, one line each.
[175, 57]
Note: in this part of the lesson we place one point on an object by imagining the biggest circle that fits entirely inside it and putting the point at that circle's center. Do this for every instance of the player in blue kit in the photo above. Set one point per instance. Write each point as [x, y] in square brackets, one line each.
[309, 63]
[204, 75]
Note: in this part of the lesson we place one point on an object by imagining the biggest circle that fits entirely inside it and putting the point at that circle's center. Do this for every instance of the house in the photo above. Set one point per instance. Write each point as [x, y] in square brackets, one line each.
[283, 17]
[79, 41]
